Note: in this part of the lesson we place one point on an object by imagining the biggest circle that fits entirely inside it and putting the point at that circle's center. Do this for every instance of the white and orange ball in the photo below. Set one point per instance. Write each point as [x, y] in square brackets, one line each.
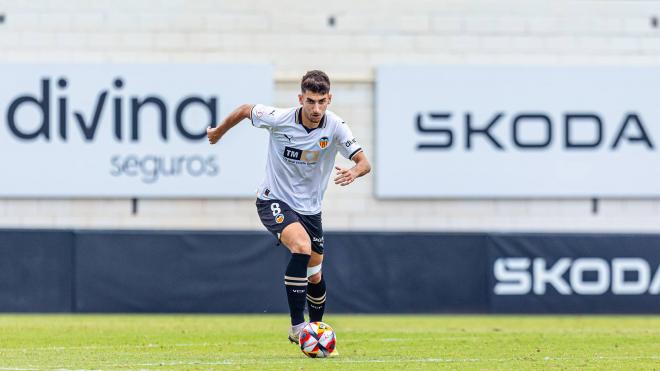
[317, 340]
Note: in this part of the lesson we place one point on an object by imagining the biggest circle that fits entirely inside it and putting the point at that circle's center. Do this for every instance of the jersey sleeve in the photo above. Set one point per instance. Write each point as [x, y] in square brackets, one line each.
[347, 145]
[266, 117]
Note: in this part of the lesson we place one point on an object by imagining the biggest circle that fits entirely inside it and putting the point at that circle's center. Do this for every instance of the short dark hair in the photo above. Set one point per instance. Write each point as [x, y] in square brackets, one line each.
[315, 81]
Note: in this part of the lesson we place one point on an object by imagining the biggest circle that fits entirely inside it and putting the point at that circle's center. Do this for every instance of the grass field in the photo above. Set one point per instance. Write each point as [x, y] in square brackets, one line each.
[203, 342]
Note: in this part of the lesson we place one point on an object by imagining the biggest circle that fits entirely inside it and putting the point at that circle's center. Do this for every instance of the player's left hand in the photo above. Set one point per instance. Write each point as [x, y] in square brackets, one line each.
[344, 176]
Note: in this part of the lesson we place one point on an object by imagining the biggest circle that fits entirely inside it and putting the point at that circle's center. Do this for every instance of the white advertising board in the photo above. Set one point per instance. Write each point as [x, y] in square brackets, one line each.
[477, 132]
[129, 130]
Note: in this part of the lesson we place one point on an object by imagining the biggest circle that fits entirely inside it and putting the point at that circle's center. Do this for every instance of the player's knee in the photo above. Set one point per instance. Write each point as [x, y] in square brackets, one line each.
[300, 246]
[314, 278]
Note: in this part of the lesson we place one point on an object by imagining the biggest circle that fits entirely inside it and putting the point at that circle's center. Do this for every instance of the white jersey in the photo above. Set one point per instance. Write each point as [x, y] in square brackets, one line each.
[300, 160]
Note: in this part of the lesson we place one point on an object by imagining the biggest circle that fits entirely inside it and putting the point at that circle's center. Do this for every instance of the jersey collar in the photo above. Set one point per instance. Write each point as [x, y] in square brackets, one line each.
[308, 130]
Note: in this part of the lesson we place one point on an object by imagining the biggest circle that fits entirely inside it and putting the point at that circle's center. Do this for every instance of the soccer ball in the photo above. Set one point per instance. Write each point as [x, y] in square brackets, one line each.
[317, 340]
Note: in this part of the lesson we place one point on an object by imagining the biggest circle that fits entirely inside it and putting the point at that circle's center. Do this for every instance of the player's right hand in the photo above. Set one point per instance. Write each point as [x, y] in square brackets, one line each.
[213, 134]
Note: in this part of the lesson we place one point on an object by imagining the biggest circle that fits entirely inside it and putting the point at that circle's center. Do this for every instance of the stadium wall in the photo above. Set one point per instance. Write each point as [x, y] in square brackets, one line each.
[367, 272]
[348, 39]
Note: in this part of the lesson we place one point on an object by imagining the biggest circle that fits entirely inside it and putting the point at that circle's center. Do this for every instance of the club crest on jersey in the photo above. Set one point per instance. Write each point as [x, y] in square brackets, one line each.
[279, 218]
[323, 142]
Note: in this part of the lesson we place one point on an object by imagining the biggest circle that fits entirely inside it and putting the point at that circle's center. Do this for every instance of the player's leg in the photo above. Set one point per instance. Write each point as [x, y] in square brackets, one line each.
[284, 223]
[295, 238]
[316, 292]
[316, 282]
[315, 288]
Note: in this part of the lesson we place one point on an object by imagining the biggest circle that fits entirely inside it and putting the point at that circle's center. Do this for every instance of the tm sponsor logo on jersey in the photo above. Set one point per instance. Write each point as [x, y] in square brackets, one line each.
[581, 276]
[299, 156]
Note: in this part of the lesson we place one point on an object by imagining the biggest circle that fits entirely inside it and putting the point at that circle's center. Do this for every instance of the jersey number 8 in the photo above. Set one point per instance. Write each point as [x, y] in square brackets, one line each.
[275, 208]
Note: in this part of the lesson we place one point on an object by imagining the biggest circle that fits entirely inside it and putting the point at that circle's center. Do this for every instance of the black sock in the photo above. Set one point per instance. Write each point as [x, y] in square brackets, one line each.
[295, 282]
[316, 300]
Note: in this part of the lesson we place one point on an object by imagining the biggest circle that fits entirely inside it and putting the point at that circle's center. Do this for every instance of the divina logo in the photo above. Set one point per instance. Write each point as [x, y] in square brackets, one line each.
[56, 116]
[87, 120]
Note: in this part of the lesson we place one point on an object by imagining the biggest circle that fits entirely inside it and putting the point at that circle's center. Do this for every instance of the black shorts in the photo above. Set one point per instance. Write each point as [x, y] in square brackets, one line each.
[276, 215]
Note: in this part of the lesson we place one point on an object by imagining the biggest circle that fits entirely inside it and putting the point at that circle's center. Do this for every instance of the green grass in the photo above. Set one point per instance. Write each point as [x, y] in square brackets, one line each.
[203, 342]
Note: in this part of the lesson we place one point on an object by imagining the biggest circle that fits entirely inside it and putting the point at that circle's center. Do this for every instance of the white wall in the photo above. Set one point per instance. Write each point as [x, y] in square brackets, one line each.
[296, 36]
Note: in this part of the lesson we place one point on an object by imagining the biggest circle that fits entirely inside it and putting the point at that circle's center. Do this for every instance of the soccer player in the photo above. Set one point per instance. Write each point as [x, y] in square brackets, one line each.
[304, 142]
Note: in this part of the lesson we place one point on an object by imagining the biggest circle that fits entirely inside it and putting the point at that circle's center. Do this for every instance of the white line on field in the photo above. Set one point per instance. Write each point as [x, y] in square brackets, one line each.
[336, 360]
[181, 363]
[92, 347]
[158, 364]
[418, 360]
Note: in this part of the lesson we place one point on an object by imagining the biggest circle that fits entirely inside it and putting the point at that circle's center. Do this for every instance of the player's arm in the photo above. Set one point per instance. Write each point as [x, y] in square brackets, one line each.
[242, 112]
[347, 176]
